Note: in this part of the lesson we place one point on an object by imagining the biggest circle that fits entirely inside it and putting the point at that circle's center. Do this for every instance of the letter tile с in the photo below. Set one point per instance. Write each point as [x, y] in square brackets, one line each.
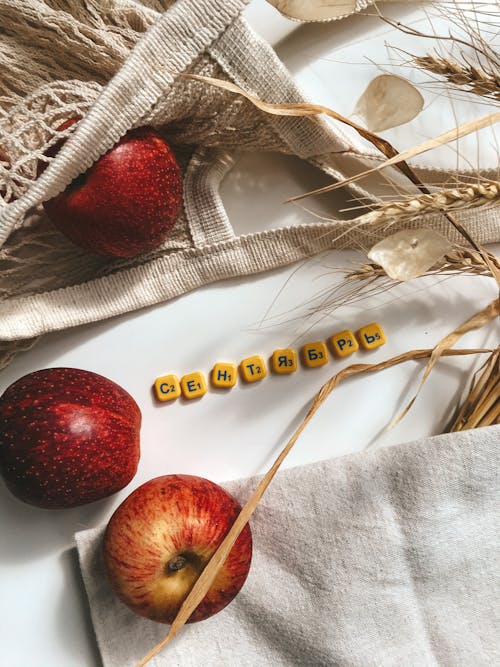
[167, 388]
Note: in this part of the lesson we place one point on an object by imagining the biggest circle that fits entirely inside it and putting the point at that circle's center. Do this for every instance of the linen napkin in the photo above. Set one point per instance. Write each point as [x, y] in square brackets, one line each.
[388, 557]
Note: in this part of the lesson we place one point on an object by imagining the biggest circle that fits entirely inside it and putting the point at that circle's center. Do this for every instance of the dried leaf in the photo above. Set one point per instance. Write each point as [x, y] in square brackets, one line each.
[206, 578]
[409, 253]
[314, 10]
[389, 101]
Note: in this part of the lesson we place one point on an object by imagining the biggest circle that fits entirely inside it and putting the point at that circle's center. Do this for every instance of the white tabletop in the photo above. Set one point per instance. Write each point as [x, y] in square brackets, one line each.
[43, 609]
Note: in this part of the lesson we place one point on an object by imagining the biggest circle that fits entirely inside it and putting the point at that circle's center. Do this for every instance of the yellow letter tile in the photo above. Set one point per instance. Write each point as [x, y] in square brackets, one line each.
[344, 343]
[284, 361]
[315, 354]
[253, 368]
[224, 375]
[193, 385]
[167, 387]
[372, 336]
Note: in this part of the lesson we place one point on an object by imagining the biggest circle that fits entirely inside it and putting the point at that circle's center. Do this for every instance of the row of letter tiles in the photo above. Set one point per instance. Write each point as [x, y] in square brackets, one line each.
[283, 361]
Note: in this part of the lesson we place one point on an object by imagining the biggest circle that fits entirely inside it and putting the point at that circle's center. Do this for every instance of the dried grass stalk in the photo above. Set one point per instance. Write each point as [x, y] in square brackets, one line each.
[208, 575]
[482, 405]
[470, 196]
[462, 75]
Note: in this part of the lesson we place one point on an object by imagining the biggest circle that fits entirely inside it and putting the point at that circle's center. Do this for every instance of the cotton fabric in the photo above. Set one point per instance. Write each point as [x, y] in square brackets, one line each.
[385, 558]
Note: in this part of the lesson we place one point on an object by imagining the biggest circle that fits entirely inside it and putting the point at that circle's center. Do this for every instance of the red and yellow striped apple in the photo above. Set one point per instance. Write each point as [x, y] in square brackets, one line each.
[161, 537]
[67, 437]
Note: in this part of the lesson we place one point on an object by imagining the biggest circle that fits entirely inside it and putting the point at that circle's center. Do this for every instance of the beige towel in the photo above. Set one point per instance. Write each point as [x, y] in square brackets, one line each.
[388, 557]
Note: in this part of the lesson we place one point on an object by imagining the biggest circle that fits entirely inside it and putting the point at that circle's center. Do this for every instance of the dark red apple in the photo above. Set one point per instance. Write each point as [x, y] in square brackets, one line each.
[67, 437]
[161, 537]
[127, 202]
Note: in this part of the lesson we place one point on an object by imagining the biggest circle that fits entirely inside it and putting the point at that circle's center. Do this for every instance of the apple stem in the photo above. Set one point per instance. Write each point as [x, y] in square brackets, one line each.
[177, 563]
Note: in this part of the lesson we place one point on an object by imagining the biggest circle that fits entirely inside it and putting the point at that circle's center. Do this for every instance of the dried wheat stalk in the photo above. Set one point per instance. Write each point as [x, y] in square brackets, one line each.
[472, 79]
[482, 405]
[470, 196]
[461, 260]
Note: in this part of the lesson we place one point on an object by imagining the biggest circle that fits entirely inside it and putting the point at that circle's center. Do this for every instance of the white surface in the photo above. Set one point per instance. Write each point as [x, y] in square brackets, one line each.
[227, 435]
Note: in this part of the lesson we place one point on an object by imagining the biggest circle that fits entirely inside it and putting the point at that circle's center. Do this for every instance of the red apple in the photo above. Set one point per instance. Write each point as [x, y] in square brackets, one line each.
[67, 437]
[161, 537]
[127, 202]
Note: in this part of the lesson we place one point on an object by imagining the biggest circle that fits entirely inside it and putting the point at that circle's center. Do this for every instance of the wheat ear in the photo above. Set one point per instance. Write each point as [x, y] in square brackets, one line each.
[460, 260]
[469, 196]
[472, 79]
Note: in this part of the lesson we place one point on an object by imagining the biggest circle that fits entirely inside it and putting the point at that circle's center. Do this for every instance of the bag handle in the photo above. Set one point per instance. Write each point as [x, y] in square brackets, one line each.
[306, 137]
[205, 212]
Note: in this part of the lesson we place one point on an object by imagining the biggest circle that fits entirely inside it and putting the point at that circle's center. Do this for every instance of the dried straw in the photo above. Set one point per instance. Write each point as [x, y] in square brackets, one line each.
[208, 575]
[482, 405]
[468, 77]
[491, 312]
[470, 196]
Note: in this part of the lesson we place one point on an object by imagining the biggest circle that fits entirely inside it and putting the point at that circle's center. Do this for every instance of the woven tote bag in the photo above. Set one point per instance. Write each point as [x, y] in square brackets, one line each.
[117, 64]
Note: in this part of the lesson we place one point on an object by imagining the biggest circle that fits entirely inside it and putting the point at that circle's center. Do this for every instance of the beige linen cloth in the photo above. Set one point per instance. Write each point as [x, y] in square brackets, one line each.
[387, 557]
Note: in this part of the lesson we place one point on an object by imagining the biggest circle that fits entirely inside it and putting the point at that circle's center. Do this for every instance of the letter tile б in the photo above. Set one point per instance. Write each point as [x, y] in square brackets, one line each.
[315, 354]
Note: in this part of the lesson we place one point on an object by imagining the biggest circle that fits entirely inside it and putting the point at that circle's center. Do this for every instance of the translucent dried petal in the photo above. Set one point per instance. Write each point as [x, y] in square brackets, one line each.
[409, 253]
[388, 101]
[314, 10]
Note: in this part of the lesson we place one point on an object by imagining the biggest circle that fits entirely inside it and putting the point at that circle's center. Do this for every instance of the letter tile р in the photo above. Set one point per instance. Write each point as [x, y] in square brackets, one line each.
[315, 354]
[193, 385]
[224, 375]
[344, 343]
[284, 361]
[253, 368]
[371, 336]
[167, 388]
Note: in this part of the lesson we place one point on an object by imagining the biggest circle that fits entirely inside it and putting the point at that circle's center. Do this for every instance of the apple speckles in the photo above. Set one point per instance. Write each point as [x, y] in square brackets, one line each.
[73, 446]
[129, 200]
